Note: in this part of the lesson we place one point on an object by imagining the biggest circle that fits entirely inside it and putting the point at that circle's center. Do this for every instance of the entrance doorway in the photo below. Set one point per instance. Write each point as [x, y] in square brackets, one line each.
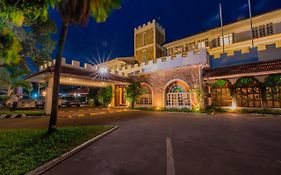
[120, 96]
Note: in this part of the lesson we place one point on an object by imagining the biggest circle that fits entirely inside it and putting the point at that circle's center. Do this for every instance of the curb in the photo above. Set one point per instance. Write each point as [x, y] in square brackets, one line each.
[90, 114]
[11, 116]
[47, 166]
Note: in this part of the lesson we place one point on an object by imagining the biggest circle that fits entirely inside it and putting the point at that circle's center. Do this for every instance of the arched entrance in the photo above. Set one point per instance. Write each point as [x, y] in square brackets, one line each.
[177, 95]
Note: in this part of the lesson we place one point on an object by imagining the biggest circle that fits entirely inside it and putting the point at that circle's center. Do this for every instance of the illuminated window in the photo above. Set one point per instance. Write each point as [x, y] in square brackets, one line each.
[178, 95]
[226, 40]
[203, 43]
[255, 32]
[269, 29]
[263, 30]
[178, 49]
[144, 38]
[144, 55]
[190, 46]
[273, 91]
[221, 95]
[146, 98]
[248, 93]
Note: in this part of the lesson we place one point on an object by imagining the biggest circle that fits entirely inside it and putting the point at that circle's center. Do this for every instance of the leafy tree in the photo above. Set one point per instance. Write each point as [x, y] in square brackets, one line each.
[12, 77]
[133, 91]
[105, 95]
[75, 12]
[25, 31]
[9, 46]
[198, 98]
[93, 97]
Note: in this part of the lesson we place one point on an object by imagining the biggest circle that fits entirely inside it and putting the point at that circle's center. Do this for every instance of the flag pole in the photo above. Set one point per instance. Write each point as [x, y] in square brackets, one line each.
[222, 29]
[251, 21]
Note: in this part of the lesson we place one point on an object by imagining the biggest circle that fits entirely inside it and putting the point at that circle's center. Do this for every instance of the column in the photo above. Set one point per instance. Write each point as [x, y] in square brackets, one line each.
[49, 95]
[112, 104]
[233, 96]
[263, 95]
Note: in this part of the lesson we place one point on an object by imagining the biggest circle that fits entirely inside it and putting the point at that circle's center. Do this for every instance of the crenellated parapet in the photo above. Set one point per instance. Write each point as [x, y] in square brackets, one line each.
[170, 62]
[149, 23]
[74, 64]
[262, 53]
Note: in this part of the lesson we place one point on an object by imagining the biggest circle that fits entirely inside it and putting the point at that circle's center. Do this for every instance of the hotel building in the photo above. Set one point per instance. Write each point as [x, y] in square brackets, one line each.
[241, 68]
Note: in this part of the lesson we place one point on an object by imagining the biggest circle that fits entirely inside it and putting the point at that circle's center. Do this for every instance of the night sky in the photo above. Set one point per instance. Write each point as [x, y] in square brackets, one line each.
[180, 18]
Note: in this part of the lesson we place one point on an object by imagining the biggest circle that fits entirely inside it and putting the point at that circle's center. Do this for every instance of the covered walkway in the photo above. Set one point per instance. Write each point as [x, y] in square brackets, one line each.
[75, 75]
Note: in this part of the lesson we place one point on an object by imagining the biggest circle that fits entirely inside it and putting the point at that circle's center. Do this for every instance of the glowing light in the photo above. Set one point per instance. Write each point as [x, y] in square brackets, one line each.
[158, 108]
[44, 93]
[103, 70]
[35, 95]
[109, 105]
[234, 106]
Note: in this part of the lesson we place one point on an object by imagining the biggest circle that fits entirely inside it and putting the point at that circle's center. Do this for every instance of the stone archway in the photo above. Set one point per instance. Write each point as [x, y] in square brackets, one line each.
[177, 94]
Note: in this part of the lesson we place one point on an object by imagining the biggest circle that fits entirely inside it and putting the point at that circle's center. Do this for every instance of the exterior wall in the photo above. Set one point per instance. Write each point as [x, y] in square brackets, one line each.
[241, 36]
[158, 81]
[257, 54]
[261, 92]
[180, 60]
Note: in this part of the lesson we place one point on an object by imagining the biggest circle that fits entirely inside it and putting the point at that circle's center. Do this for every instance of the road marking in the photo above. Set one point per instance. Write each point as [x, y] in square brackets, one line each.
[170, 158]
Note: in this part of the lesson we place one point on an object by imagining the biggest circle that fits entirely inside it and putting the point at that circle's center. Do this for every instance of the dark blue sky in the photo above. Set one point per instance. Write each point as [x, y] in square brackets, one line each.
[180, 18]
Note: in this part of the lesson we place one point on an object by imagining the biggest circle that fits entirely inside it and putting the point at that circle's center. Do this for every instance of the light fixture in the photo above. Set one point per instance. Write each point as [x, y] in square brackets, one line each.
[103, 70]
[44, 93]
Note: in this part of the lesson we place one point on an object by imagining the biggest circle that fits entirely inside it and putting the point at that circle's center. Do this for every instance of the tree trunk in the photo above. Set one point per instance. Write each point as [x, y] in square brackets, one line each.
[55, 95]
[133, 103]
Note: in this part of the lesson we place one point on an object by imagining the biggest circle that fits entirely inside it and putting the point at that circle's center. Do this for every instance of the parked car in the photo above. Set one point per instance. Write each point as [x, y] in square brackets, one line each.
[40, 102]
[71, 101]
[62, 102]
[22, 102]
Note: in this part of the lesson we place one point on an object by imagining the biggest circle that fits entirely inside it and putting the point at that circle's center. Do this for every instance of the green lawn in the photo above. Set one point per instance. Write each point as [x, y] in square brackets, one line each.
[33, 112]
[24, 150]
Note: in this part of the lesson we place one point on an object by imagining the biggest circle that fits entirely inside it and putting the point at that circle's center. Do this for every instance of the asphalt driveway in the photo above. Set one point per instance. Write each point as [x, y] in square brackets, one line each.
[183, 144]
[152, 143]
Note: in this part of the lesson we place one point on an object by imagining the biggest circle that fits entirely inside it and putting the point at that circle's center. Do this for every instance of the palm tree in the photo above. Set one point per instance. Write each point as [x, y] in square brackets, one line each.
[75, 12]
[12, 77]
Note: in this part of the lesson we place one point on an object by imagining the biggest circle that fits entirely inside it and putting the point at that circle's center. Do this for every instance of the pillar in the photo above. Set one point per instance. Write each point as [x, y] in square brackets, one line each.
[49, 96]
[207, 94]
[263, 95]
[112, 104]
[233, 96]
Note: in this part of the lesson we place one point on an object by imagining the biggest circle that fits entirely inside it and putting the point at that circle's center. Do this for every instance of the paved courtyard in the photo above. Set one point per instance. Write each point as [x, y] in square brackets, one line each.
[155, 143]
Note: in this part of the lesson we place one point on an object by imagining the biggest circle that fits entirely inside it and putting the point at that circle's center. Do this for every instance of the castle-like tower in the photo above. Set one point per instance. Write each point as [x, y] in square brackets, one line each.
[148, 41]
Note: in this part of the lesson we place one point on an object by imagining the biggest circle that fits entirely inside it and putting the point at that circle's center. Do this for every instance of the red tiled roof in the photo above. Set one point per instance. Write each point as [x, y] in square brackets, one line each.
[244, 69]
